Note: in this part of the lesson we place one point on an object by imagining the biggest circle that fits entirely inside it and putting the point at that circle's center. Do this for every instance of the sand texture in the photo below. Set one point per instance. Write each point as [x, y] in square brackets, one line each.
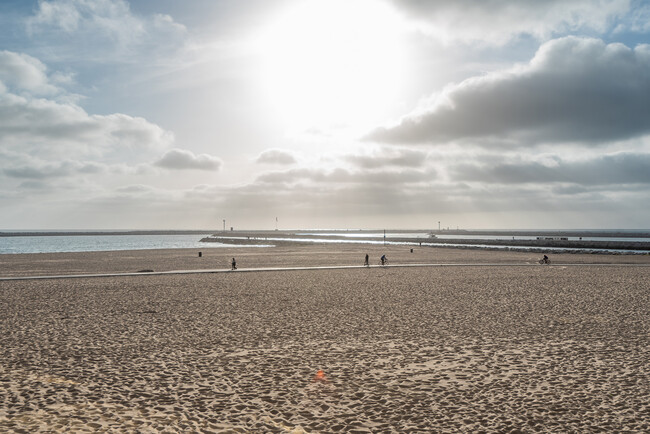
[443, 349]
[288, 256]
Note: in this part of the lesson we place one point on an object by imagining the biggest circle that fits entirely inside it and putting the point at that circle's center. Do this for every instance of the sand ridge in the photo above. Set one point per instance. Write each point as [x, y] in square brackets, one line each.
[469, 349]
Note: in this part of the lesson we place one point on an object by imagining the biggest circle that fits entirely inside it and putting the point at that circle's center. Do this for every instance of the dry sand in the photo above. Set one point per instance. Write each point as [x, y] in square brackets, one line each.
[287, 256]
[470, 349]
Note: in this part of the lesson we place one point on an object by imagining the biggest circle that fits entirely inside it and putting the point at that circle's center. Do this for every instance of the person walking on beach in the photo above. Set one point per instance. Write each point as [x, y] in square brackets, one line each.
[383, 259]
[234, 264]
[366, 261]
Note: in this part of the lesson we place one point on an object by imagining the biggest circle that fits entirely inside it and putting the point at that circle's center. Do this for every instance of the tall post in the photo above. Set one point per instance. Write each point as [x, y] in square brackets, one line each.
[224, 225]
[384, 237]
[438, 226]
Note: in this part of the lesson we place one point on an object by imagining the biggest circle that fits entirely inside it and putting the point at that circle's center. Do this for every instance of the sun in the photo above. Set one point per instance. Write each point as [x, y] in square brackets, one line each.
[332, 62]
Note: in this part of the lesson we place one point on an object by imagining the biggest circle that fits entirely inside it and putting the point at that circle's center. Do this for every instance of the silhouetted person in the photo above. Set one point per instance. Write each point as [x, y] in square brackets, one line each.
[366, 261]
[234, 264]
[383, 259]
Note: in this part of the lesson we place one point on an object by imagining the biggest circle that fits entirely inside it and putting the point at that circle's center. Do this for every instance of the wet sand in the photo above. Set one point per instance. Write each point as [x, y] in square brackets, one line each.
[478, 348]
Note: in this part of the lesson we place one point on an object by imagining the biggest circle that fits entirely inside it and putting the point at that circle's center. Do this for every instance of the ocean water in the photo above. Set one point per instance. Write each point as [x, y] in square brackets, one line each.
[102, 243]
[112, 242]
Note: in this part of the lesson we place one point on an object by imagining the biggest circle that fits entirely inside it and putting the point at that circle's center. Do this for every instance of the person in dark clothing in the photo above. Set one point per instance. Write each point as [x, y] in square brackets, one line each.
[234, 264]
[366, 261]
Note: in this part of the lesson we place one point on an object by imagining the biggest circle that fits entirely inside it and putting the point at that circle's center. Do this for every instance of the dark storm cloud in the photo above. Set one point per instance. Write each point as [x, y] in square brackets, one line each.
[573, 90]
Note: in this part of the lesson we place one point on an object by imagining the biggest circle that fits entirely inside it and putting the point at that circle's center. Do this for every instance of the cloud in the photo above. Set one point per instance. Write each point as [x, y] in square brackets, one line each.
[54, 170]
[276, 156]
[53, 128]
[573, 90]
[46, 125]
[389, 157]
[339, 177]
[179, 159]
[498, 21]
[110, 24]
[614, 169]
[639, 20]
[24, 73]
[136, 189]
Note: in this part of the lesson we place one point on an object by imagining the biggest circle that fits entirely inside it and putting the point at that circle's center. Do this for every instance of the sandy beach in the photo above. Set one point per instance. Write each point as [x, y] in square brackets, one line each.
[501, 344]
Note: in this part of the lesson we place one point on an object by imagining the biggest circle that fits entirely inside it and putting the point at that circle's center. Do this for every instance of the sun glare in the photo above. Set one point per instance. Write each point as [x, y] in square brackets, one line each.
[332, 62]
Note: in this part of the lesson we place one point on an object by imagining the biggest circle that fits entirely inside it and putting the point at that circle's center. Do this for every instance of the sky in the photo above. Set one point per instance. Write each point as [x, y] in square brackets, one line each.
[478, 114]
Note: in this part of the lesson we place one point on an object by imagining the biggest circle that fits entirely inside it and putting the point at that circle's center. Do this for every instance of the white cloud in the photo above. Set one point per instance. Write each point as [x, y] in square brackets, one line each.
[42, 170]
[638, 21]
[573, 90]
[62, 14]
[50, 145]
[340, 177]
[42, 126]
[179, 159]
[39, 118]
[24, 73]
[388, 157]
[87, 25]
[137, 189]
[276, 156]
[498, 21]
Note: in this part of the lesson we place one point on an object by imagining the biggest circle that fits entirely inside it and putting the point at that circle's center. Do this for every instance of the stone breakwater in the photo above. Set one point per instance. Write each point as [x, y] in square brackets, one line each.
[571, 244]
[253, 238]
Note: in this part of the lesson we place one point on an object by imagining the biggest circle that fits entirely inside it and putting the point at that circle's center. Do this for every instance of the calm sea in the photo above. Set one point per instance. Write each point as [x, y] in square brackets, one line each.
[99, 243]
[110, 242]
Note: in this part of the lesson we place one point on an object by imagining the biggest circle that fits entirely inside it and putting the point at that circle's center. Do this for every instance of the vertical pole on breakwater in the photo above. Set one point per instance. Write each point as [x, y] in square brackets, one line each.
[384, 237]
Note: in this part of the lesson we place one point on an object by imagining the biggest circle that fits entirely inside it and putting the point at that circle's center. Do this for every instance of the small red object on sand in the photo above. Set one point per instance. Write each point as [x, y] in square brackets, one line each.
[320, 376]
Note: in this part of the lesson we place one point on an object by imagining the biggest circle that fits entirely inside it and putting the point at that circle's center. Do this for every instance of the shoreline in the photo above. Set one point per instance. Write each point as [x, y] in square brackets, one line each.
[631, 233]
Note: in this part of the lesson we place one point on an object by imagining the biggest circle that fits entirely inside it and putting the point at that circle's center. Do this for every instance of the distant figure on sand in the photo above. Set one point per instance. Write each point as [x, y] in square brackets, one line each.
[366, 261]
[234, 264]
[383, 259]
[545, 260]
